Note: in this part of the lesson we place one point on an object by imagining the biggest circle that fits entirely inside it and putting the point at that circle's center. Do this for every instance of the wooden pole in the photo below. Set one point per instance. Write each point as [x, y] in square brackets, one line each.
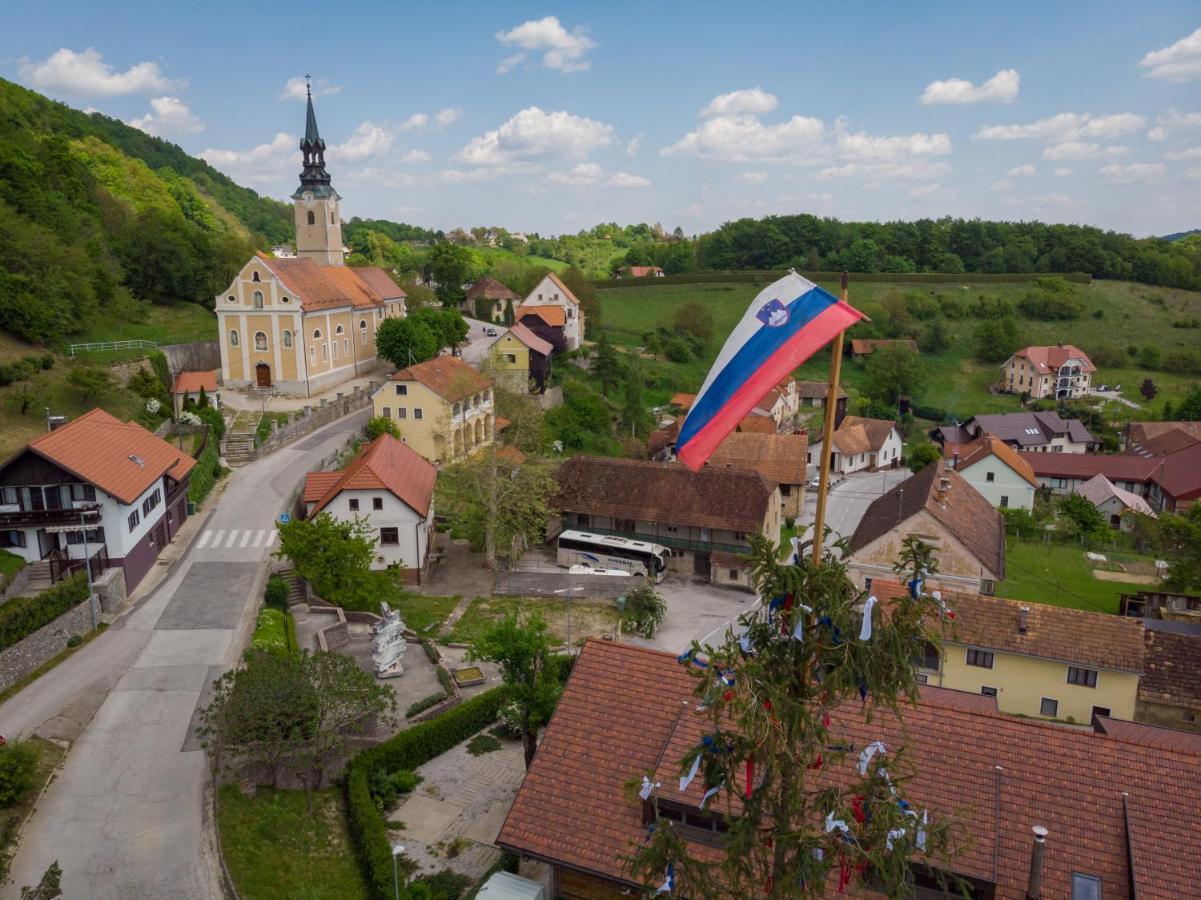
[823, 483]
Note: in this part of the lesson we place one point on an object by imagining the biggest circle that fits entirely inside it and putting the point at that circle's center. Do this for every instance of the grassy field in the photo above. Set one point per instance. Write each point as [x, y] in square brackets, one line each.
[277, 850]
[493, 254]
[175, 323]
[420, 612]
[49, 756]
[1060, 575]
[1129, 313]
[588, 618]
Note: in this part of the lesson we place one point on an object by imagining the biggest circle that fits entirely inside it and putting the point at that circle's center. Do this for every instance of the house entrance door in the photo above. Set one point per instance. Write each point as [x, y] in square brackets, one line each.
[262, 374]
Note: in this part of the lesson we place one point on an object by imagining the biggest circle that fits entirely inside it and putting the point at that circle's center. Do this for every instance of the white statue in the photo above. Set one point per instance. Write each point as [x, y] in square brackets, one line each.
[389, 643]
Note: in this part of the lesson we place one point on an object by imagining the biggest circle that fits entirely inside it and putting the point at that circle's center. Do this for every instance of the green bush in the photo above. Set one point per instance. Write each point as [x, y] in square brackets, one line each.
[22, 616]
[74, 640]
[18, 763]
[425, 703]
[644, 611]
[205, 473]
[933, 413]
[445, 680]
[379, 425]
[277, 591]
[481, 744]
[158, 362]
[678, 351]
[213, 419]
[386, 786]
[431, 651]
[444, 885]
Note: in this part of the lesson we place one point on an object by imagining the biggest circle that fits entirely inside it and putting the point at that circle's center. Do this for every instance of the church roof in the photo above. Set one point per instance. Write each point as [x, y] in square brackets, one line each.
[313, 179]
[328, 287]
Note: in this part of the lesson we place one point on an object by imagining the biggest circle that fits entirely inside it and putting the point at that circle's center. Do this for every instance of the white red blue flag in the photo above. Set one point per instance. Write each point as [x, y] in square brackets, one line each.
[786, 324]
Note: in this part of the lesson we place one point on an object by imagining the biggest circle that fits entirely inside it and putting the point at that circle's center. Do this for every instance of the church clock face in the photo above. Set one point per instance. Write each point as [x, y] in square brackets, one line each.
[307, 198]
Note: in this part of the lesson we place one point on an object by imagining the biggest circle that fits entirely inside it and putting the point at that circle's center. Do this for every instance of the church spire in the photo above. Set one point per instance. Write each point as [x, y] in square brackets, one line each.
[314, 178]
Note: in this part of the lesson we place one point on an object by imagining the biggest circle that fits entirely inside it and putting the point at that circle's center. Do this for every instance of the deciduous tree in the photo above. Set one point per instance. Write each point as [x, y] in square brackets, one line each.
[894, 371]
[405, 342]
[333, 555]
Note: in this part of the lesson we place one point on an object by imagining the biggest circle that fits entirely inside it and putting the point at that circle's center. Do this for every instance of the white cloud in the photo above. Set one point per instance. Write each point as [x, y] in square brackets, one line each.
[87, 74]
[751, 177]
[865, 146]
[882, 171]
[1180, 61]
[1065, 127]
[626, 180]
[295, 89]
[1190, 153]
[1001, 88]
[918, 191]
[692, 211]
[633, 145]
[168, 116]
[1002, 185]
[534, 134]
[258, 165]
[1119, 174]
[754, 101]
[744, 138]
[1063, 172]
[1193, 173]
[561, 49]
[458, 176]
[1171, 122]
[582, 174]
[448, 116]
[377, 176]
[414, 122]
[1022, 171]
[1082, 150]
[368, 139]
[414, 156]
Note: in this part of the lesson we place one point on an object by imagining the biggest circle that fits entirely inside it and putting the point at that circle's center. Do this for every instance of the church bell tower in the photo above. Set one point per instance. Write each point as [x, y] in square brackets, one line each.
[318, 223]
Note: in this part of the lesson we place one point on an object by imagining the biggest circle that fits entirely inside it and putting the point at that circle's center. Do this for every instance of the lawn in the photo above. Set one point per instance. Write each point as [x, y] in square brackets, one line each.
[274, 632]
[1117, 313]
[277, 850]
[50, 755]
[1058, 574]
[421, 612]
[263, 430]
[173, 323]
[10, 565]
[588, 617]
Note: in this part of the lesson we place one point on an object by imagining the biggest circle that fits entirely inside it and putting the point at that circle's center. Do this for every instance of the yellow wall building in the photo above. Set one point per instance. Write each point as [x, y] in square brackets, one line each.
[1038, 660]
[443, 408]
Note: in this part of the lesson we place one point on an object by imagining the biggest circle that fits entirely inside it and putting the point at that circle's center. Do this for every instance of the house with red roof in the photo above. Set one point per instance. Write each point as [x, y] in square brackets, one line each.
[552, 292]
[189, 385]
[95, 488]
[1060, 372]
[389, 486]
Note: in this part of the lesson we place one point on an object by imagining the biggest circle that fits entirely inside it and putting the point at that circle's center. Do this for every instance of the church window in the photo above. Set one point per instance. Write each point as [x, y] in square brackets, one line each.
[312, 355]
[287, 338]
[325, 352]
[339, 330]
[312, 218]
[316, 334]
[362, 331]
[258, 299]
[284, 300]
[254, 276]
[346, 346]
[232, 299]
[331, 219]
[260, 341]
[233, 337]
[335, 349]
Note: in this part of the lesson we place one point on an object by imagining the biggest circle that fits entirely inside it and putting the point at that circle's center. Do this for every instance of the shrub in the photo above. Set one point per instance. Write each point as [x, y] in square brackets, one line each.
[1110, 356]
[644, 611]
[158, 362]
[205, 473]
[22, 616]
[277, 592]
[678, 351]
[213, 419]
[386, 786]
[933, 413]
[74, 640]
[47, 361]
[379, 425]
[481, 744]
[431, 652]
[18, 763]
[445, 680]
[1184, 361]
[444, 885]
[424, 703]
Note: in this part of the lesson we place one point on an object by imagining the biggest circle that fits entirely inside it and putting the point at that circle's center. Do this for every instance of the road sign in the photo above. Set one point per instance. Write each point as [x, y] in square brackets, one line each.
[284, 518]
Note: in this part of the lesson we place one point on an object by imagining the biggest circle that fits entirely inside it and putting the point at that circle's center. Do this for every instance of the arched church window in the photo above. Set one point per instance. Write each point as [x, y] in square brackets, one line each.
[254, 276]
[312, 218]
[362, 331]
[260, 341]
[339, 330]
[258, 299]
[316, 334]
[287, 338]
[332, 220]
[233, 338]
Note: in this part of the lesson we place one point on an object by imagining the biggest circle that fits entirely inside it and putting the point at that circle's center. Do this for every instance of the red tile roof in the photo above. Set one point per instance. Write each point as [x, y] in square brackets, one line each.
[562, 287]
[1104, 799]
[317, 485]
[531, 340]
[970, 454]
[192, 382]
[1141, 432]
[1150, 735]
[491, 289]
[1173, 666]
[682, 400]
[779, 458]
[447, 376]
[554, 316]
[387, 464]
[379, 282]
[1086, 465]
[1074, 636]
[760, 424]
[328, 287]
[1049, 359]
[100, 449]
[643, 271]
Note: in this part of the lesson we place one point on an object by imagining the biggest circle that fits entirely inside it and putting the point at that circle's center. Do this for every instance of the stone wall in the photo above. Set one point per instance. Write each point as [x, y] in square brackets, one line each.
[28, 653]
[304, 421]
[17, 585]
[194, 357]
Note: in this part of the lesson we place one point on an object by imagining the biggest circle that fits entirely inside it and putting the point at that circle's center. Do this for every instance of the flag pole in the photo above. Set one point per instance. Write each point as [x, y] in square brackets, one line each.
[823, 483]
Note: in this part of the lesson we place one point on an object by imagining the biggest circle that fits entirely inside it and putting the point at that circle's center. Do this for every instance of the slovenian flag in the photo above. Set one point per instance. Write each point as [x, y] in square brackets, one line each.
[786, 324]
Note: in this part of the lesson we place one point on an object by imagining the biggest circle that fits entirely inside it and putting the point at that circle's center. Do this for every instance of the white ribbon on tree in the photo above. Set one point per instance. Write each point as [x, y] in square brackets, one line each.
[687, 779]
[865, 631]
[833, 823]
[796, 549]
[798, 630]
[865, 755]
[648, 788]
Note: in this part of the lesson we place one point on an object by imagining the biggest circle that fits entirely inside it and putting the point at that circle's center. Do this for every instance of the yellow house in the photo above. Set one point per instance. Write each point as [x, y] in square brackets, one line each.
[520, 360]
[443, 408]
[1037, 660]
[307, 323]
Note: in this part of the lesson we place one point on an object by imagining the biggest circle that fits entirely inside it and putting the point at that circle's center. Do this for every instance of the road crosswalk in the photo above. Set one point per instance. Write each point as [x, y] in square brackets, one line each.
[240, 538]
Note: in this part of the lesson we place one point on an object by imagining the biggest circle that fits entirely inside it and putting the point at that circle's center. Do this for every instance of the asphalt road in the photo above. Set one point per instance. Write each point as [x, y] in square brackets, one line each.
[849, 501]
[478, 343]
[126, 815]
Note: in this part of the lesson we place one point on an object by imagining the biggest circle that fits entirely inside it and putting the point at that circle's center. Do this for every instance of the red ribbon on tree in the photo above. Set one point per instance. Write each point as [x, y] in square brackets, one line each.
[750, 775]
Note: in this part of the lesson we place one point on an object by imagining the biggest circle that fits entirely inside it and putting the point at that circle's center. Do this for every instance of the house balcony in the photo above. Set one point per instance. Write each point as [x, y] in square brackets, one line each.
[12, 518]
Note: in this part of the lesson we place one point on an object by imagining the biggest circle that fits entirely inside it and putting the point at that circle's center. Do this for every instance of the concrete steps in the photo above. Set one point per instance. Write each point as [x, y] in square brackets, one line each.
[38, 578]
[239, 448]
[295, 588]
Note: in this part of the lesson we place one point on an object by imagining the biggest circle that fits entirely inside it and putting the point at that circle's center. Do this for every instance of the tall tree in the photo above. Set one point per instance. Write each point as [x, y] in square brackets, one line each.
[804, 811]
[406, 342]
[606, 365]
[332, 555]
[894, 371]
[1182, 539]
[452, 266]
[522, 650]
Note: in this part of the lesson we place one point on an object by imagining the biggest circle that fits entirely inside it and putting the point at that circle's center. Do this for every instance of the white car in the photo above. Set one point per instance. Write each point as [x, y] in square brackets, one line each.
[490, 331]
[581, 569]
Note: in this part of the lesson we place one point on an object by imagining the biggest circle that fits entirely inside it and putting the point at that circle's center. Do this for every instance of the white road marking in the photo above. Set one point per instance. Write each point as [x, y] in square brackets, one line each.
[246, 535]
[271, 539]
[204, 539]
[217, 539]
[233, 536]
[258, 537]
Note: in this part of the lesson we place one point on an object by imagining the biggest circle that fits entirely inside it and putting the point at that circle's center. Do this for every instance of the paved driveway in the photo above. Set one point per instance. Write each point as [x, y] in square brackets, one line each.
[849, 500]
[126, 816]
[477, 347]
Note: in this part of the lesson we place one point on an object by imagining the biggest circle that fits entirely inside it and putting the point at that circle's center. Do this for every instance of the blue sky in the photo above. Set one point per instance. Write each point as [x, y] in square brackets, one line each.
[553, 118]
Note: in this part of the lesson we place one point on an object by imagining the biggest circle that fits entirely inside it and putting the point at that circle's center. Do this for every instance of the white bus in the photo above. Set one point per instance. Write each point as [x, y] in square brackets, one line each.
[607, 552]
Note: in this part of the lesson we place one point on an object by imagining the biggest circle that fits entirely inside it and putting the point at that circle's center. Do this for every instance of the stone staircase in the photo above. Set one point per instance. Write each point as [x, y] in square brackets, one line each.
[38, 578]
[295, 587]
[239, 439]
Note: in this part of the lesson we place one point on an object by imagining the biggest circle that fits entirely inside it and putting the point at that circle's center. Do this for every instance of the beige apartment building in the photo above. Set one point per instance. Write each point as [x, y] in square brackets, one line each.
[443, 408]
[1060, 372]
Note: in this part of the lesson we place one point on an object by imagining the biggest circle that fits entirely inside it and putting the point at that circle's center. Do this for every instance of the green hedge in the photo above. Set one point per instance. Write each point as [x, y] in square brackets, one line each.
[425, 703]
[933, 413]
[828, 277]
[204, 474]
[22, 616]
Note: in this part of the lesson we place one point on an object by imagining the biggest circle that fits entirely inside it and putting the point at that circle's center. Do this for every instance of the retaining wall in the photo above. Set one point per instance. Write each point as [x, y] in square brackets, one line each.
[194, 357]
[28, 653]
[309, 419]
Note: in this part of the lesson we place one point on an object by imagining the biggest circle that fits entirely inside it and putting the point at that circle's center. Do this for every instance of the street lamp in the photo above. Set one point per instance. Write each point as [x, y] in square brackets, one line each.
[87, 562]
[397, 849]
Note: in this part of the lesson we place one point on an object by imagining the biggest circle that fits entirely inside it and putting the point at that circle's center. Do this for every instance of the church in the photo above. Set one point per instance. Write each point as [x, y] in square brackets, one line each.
[304, 324]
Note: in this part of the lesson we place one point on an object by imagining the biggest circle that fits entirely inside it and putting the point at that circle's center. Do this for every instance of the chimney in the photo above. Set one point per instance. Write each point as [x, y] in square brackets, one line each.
[955, 460]
[1035, 889]
[1024, 619]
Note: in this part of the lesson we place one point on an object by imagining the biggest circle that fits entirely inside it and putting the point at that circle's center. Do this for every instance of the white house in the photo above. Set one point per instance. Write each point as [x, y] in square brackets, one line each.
[551, 291]
[994, 469]
[1115, 503]
[391, 487]
[860, 443]
[126, 486]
